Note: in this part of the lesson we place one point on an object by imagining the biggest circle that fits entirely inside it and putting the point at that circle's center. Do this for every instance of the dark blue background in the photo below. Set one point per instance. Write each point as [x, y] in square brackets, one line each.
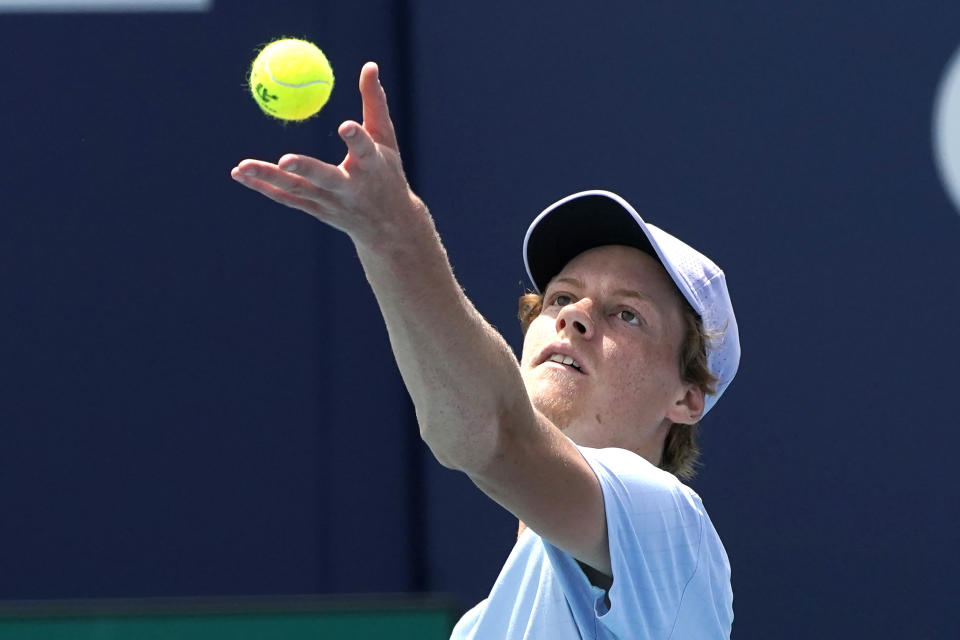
[198, 396]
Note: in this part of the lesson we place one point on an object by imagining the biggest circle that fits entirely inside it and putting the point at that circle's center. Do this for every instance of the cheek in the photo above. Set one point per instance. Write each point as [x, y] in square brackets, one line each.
[534, 340]
[642, 371]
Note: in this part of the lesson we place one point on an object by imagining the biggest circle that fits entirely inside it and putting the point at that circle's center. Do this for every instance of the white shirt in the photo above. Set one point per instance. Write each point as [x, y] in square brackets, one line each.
[671, 575]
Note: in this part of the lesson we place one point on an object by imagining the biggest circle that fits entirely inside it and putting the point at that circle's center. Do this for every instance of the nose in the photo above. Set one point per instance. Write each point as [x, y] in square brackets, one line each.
[576, 318]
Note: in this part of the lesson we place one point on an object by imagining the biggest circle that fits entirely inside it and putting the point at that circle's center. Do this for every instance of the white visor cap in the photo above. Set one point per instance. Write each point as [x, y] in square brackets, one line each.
[595, 218]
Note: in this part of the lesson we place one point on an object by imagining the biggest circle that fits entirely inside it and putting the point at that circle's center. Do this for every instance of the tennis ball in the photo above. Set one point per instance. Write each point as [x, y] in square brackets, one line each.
[291, 79]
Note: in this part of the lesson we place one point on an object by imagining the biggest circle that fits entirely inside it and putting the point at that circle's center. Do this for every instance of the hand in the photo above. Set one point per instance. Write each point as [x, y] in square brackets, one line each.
[366, 195]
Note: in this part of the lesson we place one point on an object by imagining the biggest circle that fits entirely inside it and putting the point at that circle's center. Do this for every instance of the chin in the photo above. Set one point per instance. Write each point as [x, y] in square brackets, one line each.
[556, 396]
[560, 409]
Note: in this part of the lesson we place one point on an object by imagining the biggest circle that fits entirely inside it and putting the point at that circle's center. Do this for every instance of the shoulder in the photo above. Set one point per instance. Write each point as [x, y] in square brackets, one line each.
[621, 470]
[646, 506]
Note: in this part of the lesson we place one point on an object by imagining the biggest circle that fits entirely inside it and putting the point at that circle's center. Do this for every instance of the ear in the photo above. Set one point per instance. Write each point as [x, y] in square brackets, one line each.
[688, 407]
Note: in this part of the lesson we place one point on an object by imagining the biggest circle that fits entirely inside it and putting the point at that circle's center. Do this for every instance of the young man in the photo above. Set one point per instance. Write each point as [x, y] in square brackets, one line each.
[571, 439]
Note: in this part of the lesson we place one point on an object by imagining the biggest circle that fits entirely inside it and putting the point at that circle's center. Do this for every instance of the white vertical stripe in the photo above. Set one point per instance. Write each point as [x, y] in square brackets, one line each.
[946, 129]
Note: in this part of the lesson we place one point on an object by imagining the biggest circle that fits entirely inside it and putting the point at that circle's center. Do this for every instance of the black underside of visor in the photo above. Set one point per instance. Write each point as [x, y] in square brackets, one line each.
[576, 226]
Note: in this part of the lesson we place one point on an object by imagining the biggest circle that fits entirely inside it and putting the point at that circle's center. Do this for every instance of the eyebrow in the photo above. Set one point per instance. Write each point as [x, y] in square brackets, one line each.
[628, 293]
[567, 280]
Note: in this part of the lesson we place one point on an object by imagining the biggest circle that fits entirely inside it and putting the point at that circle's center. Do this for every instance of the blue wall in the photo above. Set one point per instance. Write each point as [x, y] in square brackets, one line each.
[187, 369]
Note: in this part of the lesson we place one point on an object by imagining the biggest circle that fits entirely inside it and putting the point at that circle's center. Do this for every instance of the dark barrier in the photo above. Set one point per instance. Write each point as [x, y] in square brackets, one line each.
[290, 618]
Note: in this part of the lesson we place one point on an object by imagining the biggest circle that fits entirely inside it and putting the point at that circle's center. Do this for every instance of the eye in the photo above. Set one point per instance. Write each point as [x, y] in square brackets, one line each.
[561, 299]
[629, 317]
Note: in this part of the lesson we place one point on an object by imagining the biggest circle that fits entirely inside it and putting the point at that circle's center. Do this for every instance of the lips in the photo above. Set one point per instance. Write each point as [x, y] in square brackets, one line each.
[562, 354]
[567, 360]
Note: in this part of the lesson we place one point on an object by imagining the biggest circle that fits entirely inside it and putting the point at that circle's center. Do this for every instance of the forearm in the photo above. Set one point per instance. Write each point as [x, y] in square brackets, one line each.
[462, 376]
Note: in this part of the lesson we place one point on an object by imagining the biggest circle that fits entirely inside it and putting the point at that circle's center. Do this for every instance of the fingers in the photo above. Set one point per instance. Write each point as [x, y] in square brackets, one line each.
[258, 171]
[361, 146]
[291, 173]
[274, 193]
[320, 174]
[376, 113]
[284, 187]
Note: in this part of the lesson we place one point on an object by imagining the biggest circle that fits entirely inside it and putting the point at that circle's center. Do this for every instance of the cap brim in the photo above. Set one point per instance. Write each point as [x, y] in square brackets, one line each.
[575, 224]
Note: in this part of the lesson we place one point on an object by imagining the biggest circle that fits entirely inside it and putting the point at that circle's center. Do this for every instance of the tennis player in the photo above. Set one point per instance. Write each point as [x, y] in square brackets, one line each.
[629, 341]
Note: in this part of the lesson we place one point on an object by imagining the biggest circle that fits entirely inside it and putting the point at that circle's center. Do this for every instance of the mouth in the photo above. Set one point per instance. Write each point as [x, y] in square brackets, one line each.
[566, 361]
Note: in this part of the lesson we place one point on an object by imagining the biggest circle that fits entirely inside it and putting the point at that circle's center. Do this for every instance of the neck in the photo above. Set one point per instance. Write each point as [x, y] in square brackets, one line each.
[645, 442]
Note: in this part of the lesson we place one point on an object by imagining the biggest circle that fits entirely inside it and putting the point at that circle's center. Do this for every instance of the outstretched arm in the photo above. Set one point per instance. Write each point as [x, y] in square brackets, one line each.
[471, 404]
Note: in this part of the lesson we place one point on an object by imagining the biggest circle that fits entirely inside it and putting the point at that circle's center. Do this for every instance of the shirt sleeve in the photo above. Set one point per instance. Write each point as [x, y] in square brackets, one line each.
[655, 527]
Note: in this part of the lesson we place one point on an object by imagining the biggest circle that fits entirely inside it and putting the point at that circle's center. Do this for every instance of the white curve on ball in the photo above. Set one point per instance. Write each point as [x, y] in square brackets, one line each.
[266, 67]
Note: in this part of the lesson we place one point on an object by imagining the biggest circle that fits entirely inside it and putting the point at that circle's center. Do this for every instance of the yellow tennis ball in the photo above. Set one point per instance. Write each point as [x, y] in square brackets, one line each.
[291, 79]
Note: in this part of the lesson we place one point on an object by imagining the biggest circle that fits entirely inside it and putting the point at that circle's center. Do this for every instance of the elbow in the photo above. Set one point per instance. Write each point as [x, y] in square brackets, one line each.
[444, 458]
[465, 453]
[470, 444]
[466, 448]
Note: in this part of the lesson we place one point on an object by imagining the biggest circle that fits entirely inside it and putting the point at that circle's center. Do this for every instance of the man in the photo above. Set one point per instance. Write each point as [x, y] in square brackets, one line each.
[570, 440]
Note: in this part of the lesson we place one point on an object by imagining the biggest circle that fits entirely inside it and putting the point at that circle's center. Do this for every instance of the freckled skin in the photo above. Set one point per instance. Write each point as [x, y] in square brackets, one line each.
[632, 386]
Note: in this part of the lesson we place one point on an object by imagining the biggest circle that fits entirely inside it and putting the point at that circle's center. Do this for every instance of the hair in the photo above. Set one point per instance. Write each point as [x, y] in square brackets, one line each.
[681, 452]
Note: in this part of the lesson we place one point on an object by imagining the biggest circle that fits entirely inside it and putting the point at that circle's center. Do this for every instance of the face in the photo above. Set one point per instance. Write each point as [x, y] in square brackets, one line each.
[613, 318]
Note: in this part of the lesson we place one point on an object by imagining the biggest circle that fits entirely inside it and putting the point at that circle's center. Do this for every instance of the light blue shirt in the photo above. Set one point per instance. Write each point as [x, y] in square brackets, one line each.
[671, 575]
